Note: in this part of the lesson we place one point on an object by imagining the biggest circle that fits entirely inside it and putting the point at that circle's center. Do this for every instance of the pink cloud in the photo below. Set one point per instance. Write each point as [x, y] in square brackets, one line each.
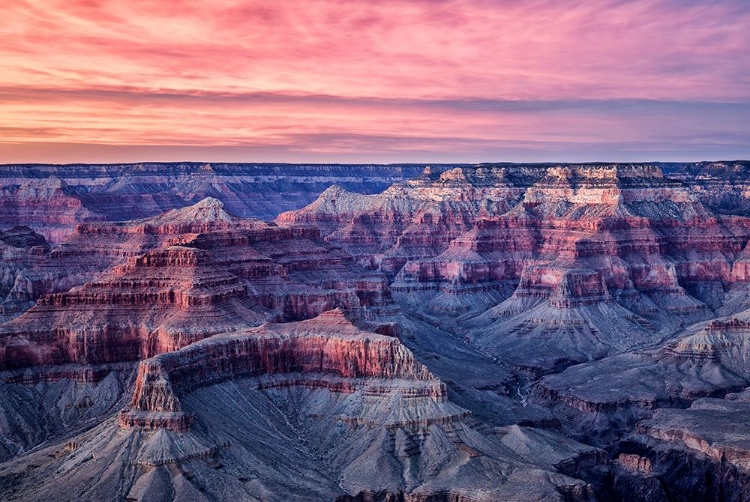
[139, 72]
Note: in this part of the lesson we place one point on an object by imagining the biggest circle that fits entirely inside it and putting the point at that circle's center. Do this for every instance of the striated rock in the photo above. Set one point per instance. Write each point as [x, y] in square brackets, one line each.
[710, 426]
[326, 345]
[228, 272]
[699, 453]
[415, 219]
[450, 338]
[144, 307]
[314, 410]
[291, 271]
[721, 186]
[21, 249]
[586, 244]
[95, 247]
[44, 205]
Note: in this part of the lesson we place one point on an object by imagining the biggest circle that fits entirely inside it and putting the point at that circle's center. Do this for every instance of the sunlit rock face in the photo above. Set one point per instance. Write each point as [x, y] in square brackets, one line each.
[203, 272]
[415, 219]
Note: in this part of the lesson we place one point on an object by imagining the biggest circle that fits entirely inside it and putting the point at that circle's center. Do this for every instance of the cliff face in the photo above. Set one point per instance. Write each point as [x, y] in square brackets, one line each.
[95, 247]
[138, 309]
[21, 249]
[326, 352]
[415, 219]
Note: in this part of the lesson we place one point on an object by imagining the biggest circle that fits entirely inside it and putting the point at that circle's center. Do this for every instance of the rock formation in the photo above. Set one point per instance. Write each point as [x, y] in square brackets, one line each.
[414, 219]
[315, 410]
[44, 205]
[53, 199]
[545, 254]
[21, 249]
[490, 332]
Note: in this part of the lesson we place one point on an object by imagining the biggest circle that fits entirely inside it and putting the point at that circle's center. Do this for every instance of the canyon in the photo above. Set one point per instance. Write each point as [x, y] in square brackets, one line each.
[570, 332]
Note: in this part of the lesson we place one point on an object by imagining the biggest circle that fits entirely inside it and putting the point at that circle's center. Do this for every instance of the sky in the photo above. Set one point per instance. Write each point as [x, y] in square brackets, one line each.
[325, 81]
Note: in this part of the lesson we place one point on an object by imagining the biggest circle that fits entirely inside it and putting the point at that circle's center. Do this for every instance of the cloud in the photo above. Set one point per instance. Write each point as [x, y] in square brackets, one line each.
[300, 76]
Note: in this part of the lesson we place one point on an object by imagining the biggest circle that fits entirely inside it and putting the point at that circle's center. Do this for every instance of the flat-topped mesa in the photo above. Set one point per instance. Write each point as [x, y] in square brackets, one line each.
[325, 352]
[144, 307]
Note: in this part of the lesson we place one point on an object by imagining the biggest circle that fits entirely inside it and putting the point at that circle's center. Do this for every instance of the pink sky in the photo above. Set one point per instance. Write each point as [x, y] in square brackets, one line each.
[386, 81]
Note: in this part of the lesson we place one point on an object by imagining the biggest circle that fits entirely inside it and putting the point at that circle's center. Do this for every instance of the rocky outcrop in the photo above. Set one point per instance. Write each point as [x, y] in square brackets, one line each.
[608, 302]
[146, 306]
[21, 249]
[95, 247]
[337, 354]
[229, 272]
[721, 186]
[415, 219]
[699, 453]
[307, 407]
[583, 245]
[44, 205]
[708, 361]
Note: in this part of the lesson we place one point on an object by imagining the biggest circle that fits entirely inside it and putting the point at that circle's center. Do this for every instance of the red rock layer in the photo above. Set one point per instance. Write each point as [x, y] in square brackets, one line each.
[236, 274]
[415, 219]
[328, 351]
[44, 205]
[147, 306]
[291, 271]
[95, 247]
[627, 224]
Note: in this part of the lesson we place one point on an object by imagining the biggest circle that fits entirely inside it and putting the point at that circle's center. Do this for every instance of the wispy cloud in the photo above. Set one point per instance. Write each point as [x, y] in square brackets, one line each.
[331, 77]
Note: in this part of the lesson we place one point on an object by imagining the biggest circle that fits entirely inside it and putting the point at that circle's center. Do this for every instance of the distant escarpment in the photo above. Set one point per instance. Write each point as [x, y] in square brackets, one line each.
[52, 199]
